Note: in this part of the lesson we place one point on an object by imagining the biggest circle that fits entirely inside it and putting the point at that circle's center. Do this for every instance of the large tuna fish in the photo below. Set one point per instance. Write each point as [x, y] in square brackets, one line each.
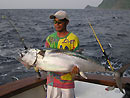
[63, 61]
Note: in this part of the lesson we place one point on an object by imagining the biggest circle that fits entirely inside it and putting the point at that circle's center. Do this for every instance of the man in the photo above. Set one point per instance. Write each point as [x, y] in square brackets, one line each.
[61, 85]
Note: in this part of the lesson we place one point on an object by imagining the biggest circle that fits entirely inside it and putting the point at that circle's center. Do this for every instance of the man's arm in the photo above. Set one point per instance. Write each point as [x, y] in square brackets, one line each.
[75, 69]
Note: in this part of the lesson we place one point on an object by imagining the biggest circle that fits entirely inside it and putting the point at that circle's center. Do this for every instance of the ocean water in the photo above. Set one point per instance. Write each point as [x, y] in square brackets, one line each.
[111, 26]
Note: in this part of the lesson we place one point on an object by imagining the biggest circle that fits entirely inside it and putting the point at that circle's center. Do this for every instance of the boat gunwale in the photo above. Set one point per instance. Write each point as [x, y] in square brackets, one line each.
[19, 86]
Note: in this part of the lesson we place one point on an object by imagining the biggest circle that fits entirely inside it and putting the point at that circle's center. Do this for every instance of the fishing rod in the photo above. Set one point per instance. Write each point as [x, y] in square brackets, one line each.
[106, 56]
[21, 39]
[12, 24]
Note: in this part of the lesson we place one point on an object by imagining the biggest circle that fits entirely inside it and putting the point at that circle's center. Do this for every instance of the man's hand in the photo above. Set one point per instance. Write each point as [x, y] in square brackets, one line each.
[75, 70]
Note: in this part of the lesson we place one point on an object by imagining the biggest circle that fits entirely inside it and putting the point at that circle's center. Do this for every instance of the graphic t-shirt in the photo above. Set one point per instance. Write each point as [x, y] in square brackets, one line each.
[69, 42]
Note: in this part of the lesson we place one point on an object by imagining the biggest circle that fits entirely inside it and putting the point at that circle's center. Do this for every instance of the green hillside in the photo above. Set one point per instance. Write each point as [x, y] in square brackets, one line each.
[115, 4]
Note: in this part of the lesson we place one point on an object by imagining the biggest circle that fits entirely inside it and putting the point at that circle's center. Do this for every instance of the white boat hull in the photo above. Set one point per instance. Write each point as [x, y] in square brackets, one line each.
[90, 90]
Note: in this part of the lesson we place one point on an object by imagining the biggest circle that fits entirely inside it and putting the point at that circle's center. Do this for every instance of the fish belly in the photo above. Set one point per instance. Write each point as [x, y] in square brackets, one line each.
[89, 65]
[55, 64]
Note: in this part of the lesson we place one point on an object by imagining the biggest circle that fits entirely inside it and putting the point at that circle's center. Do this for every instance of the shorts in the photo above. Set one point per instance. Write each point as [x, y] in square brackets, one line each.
[54, 92]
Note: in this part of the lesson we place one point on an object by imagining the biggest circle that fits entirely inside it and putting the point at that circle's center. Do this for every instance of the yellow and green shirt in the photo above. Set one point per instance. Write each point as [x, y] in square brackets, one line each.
[69, 42]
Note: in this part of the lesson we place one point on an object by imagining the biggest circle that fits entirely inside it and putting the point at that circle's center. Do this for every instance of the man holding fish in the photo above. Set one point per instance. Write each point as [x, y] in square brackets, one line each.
[62, 65]
[61, 85]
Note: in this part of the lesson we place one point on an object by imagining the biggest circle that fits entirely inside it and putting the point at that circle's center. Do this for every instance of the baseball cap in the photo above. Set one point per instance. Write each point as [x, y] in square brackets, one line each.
[60, 15]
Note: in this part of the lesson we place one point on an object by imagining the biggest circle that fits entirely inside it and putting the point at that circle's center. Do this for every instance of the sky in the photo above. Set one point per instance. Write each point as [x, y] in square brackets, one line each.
[47, 4]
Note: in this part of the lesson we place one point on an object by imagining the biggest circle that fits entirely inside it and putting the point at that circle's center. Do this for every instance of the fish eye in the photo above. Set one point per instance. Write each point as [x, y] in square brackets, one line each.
[26, 51]
[21, 54]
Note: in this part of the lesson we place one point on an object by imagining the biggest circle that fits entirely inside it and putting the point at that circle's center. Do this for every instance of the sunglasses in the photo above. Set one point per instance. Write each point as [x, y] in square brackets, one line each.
[58, 22]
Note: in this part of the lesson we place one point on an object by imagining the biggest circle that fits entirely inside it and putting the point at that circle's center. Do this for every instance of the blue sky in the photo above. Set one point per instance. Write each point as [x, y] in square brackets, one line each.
[47, 4]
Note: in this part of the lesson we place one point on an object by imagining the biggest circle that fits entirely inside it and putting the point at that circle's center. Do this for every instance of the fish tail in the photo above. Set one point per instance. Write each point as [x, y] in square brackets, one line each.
[119, 81]
[118, 76]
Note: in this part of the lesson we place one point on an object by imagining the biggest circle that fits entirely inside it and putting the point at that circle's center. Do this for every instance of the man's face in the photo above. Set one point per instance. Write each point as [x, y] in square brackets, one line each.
[59, 25]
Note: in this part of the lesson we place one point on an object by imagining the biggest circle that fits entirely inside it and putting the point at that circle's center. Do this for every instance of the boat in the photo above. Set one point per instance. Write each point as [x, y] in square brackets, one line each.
[33, 87]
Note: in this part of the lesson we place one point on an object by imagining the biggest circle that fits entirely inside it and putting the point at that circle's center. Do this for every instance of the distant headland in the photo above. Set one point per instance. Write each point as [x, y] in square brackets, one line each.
[113, 4]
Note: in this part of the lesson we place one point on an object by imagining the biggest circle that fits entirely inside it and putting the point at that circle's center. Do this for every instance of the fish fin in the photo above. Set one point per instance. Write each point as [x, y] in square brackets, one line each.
[83, 75]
